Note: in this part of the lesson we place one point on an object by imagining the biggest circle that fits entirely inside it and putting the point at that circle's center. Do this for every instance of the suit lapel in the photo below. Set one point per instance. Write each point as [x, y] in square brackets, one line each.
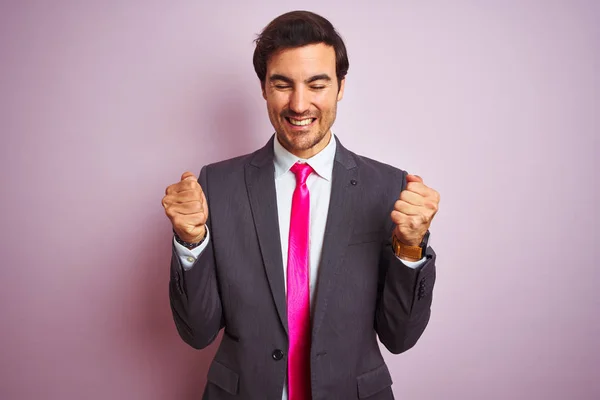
[260, 183]
[338, 228]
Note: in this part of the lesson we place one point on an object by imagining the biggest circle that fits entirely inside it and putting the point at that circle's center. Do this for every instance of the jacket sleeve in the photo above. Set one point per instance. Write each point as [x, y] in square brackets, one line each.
[404, 301]
[404, 297]
[194, 294]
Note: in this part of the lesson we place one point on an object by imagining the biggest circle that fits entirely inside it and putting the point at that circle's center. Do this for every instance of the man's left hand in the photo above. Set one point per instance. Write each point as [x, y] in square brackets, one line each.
[414, 211]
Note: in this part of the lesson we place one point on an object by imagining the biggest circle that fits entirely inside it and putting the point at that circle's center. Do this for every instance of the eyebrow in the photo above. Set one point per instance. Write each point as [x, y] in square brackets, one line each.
[320, 77]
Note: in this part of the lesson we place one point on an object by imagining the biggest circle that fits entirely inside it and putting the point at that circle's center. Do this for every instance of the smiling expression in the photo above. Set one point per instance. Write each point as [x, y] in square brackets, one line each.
[301, 90]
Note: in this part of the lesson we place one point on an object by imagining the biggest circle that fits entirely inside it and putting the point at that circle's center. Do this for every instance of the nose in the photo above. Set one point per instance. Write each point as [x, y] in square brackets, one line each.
[299, 100]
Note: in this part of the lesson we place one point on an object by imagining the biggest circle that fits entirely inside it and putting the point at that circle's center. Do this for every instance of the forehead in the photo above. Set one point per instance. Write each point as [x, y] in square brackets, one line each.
[302, 62]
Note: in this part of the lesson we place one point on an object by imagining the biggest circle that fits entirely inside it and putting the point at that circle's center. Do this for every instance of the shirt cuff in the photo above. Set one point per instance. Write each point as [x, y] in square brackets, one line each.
[188, 257]
[412, 264]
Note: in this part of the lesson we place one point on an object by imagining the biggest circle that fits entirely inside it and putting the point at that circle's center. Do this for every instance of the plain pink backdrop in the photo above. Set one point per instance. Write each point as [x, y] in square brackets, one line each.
[104, 104]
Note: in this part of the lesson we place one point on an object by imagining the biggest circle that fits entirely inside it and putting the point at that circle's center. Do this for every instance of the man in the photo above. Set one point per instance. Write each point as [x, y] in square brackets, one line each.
[303, 251]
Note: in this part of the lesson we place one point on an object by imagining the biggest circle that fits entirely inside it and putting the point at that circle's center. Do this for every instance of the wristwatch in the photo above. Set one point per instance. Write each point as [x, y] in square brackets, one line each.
[412, 252]
[189, 245]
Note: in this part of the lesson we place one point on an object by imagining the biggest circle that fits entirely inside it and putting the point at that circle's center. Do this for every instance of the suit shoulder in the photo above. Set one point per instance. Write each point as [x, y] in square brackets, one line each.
[230, 165]
[377, 167]
[380, 177]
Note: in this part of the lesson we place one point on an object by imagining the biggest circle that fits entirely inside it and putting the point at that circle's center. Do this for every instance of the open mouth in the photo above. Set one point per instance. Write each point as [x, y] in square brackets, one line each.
[300, 123]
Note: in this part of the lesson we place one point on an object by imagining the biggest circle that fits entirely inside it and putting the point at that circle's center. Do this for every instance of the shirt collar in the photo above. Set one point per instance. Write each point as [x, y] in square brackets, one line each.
[321, 163]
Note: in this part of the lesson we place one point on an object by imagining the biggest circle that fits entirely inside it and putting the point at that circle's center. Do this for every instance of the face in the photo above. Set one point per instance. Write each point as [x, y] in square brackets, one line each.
[301, 91]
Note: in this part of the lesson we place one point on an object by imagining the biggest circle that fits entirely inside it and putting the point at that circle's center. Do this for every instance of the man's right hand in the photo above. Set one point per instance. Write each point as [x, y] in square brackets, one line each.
[185, 205]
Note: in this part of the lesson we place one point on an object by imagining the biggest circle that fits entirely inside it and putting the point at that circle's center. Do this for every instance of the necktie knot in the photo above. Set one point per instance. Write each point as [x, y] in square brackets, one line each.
[302, 171]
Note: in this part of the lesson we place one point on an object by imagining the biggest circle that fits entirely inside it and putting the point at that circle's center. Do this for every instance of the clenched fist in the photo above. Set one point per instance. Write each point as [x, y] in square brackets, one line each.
[185, 205]
[414, 210]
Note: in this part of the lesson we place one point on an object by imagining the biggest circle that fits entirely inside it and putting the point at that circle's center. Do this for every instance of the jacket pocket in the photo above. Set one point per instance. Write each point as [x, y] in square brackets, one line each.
[373, 381]
[223, 377]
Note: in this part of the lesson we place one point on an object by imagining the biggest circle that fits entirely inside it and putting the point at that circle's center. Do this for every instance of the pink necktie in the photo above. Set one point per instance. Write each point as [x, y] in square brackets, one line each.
[298, 292]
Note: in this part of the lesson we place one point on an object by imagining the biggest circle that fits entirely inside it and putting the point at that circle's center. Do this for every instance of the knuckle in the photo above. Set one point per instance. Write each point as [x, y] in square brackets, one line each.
[176, 221]
[196, 206]
[432, 205]
[414, 222]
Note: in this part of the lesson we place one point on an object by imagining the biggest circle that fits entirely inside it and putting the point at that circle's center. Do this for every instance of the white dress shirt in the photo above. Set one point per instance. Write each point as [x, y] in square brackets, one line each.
[319, 186]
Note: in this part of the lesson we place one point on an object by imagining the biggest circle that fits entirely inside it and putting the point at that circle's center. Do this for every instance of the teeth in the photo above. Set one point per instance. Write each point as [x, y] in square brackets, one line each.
[301, 122]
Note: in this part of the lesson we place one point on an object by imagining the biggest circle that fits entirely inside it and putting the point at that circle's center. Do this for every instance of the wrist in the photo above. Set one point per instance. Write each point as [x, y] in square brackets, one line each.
[191, 243]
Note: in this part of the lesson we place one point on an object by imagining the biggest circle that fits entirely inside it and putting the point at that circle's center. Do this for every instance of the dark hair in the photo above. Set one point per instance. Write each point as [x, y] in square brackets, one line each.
[296, 29]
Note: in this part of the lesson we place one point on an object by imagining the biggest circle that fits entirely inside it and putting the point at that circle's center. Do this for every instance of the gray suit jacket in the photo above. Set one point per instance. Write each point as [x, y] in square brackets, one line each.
[363, 290]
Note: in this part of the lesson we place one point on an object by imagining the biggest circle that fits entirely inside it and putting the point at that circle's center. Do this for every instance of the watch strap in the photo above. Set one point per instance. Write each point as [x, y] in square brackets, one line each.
[405, 251]
[190, 245]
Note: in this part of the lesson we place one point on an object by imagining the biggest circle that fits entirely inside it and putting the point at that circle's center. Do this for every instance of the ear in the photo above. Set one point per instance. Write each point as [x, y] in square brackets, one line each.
[340, 94]
[262, 87]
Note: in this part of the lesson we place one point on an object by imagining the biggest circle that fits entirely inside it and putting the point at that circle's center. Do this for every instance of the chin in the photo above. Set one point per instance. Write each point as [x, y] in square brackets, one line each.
[301, 140]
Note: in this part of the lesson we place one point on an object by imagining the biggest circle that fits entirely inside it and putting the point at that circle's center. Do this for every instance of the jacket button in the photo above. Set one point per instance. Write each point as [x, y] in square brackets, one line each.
[277, 355]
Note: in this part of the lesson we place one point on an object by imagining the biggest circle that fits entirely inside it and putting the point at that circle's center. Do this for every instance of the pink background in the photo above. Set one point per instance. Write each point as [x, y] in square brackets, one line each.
[494, 104]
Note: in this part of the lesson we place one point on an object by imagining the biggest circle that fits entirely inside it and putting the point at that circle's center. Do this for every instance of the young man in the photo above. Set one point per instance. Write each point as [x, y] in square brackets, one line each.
[303, 251]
